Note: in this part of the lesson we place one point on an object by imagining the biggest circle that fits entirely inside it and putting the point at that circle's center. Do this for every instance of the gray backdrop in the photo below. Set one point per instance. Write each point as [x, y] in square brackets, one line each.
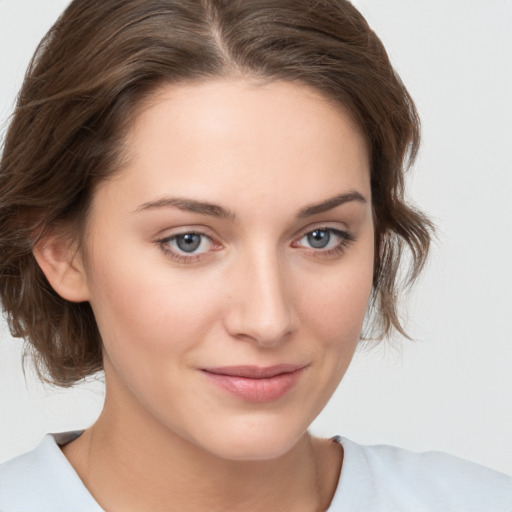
[451, 389]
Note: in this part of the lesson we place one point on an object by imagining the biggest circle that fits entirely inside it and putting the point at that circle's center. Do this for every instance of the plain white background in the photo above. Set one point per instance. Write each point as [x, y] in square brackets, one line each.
[450, 389]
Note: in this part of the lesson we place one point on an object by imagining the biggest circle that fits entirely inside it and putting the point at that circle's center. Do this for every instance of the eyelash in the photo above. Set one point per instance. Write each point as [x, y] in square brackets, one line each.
[163, 243]
[345, 240]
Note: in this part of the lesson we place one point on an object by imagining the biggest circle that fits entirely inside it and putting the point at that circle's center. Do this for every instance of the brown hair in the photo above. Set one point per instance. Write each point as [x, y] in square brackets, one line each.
[96, 65]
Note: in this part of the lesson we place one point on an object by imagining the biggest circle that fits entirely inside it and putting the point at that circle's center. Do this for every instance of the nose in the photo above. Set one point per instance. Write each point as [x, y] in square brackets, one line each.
[261, 306]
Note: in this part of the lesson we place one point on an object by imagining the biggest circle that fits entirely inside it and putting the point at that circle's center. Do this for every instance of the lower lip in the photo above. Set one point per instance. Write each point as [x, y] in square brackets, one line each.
[256, 390]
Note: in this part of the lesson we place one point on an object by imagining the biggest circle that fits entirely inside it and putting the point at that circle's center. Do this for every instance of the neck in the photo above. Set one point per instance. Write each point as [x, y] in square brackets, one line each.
[138, 464]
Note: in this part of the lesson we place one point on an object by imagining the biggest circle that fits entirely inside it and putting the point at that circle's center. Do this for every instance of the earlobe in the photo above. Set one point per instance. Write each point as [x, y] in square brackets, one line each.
[62, 265]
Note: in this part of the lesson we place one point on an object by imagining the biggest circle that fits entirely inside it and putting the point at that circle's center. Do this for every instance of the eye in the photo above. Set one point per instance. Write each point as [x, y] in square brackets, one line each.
[186, 247]
[189, 242]
[318, 239]
[325, 240]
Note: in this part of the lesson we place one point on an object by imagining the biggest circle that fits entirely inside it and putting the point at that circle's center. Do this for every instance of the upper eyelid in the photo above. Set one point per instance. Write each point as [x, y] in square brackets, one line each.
[207, 232]
[326, 227]
[169, 233]
[325, 224]
[177, 254]
[183, 233]
[174, 236]
[342, 233]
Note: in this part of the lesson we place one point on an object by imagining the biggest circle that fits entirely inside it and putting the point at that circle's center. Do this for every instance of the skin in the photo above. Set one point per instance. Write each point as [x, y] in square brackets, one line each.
[255, 292]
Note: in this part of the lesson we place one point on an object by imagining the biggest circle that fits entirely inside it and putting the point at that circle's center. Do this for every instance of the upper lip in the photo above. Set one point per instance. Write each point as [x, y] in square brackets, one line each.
[254, 372]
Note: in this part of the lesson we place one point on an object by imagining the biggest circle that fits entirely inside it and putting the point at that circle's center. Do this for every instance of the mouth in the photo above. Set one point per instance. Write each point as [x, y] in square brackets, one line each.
[255, 383]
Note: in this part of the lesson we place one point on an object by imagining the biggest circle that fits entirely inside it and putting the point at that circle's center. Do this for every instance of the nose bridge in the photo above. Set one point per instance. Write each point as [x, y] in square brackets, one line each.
[261, 308]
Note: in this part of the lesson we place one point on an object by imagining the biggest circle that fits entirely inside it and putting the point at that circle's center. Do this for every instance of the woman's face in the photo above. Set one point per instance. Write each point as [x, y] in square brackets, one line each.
[230, 263]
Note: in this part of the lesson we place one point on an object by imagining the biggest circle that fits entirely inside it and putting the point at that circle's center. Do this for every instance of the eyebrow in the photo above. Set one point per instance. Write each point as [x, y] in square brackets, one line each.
[333, 202]
[214, 210]
[188, 205]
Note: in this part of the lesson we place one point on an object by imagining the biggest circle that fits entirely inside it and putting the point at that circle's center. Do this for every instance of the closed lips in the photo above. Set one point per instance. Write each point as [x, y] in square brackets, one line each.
[256, 384]
[254, 372]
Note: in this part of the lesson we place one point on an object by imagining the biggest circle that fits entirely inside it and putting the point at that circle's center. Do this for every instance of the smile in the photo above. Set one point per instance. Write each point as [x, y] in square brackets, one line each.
[256, 384]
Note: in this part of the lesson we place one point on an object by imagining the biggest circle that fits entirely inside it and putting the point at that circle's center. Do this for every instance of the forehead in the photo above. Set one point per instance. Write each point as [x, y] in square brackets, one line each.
[256, 141]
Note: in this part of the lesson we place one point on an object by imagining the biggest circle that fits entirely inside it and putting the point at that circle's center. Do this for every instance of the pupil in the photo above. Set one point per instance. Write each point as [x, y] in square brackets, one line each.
[189, 242]
[319, 238]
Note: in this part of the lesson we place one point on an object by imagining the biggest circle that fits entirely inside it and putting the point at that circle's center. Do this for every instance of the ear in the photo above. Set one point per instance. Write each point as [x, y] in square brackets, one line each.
[62, 265]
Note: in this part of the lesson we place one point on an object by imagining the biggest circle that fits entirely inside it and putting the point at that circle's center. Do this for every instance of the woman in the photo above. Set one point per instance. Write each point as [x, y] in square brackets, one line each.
[204, 200]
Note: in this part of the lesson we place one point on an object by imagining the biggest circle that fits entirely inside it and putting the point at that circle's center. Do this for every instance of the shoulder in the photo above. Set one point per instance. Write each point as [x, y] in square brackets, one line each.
[386, 478]
[43, 477]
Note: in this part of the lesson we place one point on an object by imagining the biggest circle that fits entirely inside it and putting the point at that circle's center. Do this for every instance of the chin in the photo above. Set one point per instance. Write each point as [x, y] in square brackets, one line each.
[252, 451]
[254, 442]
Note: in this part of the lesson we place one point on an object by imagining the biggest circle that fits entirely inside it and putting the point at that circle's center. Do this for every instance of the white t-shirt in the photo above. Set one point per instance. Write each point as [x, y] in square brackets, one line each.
[373, 479]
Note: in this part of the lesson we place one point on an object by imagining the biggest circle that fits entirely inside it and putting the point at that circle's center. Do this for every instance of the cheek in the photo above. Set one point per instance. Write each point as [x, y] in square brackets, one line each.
[336, 305]
[332, 314]
[147, 310]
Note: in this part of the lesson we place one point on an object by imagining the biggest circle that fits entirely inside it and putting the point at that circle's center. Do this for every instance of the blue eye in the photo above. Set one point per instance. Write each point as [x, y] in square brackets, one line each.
[325, 239]
[188, 242]
[319, 239]
[186, 245]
